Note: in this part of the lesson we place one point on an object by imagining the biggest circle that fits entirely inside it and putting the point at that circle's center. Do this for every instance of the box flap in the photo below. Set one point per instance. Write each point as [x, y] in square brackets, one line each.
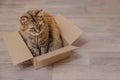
[17, 48]
[50, 60]
[55, 53]
[68, 30]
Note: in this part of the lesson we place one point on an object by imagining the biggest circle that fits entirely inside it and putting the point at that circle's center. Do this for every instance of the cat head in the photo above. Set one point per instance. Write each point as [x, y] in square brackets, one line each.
[32, 21]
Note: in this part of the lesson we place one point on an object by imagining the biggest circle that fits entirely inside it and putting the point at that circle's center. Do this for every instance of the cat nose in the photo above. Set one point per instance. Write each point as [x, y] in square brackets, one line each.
[40, 23]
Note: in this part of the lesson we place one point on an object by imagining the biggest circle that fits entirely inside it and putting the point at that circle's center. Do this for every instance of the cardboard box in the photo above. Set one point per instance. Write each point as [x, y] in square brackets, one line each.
[20, 53]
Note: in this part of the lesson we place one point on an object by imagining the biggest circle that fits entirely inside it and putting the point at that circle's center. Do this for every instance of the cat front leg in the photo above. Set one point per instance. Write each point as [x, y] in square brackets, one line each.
[43, 48]
[35, 52]
[33, 48]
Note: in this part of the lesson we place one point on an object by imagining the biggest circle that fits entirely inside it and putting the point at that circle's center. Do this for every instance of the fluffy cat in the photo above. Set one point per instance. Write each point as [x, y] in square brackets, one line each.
[40, 32]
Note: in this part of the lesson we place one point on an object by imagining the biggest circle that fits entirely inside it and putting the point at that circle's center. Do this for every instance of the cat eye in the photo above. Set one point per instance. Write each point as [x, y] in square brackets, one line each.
[33, 28]
[39, 19]
[39, 16]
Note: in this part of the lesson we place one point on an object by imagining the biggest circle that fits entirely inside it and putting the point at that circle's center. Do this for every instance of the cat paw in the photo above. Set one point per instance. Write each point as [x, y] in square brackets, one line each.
[36, 52]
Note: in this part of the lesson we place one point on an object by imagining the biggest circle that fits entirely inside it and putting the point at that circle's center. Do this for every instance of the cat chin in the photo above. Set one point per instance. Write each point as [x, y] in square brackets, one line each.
[35, 34]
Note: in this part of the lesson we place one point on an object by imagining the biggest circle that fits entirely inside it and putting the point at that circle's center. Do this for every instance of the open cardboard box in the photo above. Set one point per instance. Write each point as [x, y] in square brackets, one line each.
[20, 53]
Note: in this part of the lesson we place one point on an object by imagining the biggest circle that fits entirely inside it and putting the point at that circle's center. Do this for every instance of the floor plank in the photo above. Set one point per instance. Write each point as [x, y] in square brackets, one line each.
[86, 72]
[97, 58]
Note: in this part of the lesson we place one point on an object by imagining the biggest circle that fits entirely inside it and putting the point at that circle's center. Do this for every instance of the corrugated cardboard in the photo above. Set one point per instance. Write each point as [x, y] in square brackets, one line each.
[19, 51]
[68, 30]
[53, 56]
[17, 47]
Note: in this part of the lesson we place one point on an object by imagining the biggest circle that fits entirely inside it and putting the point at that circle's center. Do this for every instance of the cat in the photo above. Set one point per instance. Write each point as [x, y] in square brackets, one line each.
[40, 32]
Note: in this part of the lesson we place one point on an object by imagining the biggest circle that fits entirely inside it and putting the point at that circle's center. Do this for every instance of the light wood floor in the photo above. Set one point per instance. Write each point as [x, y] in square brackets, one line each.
[98, 57]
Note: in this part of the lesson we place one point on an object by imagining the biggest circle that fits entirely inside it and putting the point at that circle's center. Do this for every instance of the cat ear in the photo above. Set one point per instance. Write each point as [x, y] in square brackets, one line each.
[24, 20]
[40, 10]
[40, 13]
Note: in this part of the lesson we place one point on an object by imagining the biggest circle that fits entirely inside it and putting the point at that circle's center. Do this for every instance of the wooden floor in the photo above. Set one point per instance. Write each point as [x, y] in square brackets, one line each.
[98, 57]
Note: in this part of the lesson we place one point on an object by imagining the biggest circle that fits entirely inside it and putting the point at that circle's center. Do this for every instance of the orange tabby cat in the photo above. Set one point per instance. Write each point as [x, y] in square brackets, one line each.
[40, 32]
